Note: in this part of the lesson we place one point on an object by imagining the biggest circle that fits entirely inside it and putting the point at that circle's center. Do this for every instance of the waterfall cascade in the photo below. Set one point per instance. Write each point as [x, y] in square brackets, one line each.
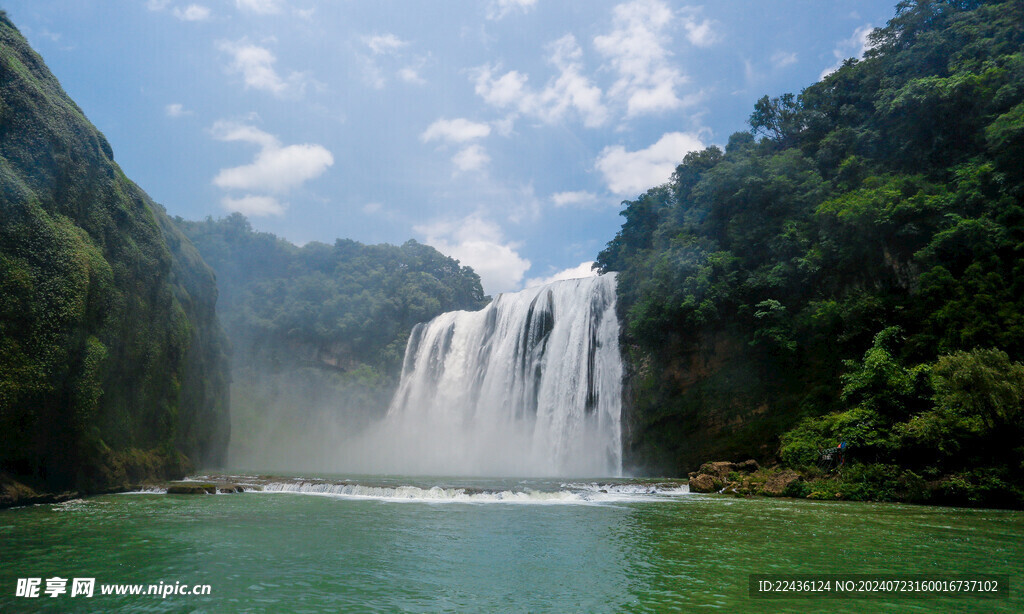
[529, 385]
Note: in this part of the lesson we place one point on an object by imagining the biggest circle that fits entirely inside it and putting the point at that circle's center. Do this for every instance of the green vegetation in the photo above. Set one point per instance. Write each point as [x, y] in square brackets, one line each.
[319, 331]
[850, 270]
[112, 367]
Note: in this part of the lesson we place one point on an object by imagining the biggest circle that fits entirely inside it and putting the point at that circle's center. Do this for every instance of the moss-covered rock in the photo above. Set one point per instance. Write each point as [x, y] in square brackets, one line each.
[190, 488]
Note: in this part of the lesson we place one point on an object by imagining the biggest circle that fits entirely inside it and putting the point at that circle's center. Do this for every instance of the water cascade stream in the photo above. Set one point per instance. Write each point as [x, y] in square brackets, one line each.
[529, 385]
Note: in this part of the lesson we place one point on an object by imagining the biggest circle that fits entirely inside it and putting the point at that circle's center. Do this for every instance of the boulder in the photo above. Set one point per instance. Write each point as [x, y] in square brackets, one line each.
[776, 484]
[718, 469]
[748, 466]
[705, 483]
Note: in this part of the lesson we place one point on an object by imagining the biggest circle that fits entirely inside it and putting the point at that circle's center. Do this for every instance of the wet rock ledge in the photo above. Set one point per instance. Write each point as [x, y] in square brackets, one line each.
[746, 478]
[202, 488]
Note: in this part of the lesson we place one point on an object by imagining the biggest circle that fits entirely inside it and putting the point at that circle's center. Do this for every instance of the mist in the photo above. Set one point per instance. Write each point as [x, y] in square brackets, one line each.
[528, 386]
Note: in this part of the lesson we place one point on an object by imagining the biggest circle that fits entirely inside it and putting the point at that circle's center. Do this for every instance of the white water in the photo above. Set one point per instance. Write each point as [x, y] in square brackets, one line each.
[396, 490]
[531, 385]
[566, 494]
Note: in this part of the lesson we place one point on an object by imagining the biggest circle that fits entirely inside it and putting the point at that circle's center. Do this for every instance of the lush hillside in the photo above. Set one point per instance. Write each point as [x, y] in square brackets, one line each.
[112, 365]
[851, 270]
[318, 332]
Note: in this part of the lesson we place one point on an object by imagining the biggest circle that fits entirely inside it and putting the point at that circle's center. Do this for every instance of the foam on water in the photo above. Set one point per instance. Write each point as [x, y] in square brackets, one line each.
[588, 493]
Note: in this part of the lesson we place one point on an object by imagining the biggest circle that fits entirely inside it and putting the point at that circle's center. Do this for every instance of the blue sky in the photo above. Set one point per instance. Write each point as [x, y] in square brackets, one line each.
[506, 133]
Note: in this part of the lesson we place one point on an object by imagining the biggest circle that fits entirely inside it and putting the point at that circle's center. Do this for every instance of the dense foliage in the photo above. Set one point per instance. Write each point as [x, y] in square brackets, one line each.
[112, 367]
[855, 261]
[318, 331]
[353, 301]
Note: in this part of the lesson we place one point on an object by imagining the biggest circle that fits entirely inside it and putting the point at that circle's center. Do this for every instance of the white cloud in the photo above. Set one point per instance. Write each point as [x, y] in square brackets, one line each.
[460, 130]
[372, 208]
[700, 33]
[276, 168]
[781, 59]
[506, 90]
[479, 243]
[573, 199]
[253, 205]
[384, 43]
[853, 47]
[176, 109]
[256, 65]
[260, 7]
[634, 172]
[457, 130]
[387, 49]
[584, 269]
[472, 158]
[192, 12]
[411, 75]
[636, 50]
[569, 91]
[498, 9]
[157, 5]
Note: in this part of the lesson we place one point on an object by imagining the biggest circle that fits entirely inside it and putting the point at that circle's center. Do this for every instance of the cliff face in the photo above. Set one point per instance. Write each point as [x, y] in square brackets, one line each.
[688, 404]
[112, 363]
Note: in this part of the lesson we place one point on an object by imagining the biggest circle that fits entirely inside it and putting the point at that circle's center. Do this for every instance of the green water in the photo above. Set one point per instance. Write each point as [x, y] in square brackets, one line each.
[306, 553]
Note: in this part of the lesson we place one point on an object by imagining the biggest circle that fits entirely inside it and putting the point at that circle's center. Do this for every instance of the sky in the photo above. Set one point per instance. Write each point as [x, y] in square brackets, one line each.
[505, 133]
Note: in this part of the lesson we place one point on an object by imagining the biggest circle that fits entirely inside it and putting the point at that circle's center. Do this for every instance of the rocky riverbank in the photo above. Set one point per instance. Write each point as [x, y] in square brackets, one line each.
[745, 478]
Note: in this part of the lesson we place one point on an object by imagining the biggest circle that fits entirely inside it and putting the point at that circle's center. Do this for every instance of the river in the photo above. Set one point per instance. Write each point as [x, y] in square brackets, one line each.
[419, 544]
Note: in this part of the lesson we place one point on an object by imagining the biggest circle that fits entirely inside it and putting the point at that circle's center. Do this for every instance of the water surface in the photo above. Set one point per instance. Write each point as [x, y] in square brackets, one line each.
[544, 546]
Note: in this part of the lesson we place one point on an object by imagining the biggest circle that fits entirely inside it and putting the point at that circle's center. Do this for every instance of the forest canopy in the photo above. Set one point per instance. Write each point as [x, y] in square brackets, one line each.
[851, 269]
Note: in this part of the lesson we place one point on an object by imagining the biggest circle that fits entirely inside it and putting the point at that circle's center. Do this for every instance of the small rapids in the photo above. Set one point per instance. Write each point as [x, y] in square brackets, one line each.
[534, 492]
[567, 494]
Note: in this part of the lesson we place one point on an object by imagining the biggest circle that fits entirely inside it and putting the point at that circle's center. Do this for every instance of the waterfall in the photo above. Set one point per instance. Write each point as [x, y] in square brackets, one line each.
[529, 385]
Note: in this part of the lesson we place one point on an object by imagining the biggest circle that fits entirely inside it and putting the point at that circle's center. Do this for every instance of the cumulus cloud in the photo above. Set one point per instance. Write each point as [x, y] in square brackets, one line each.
[853, 47]
[782, 59]
[253, 205]
[636, 50]
[457, 130]
[584, 269]
[480, 244]
[256, 66]
[460, 131]
[276, 168]
[630, 173]
[472, 158]
[700, 32]
[192, 12]
[411, 75]
[569, 91]
[573, 199]
[384, 43]
[498, 9]
[387, 56]
[176, 109]
[260, 7]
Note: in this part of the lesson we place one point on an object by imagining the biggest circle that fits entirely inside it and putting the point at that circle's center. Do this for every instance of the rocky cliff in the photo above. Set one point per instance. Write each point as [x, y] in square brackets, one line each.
[112, 363]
